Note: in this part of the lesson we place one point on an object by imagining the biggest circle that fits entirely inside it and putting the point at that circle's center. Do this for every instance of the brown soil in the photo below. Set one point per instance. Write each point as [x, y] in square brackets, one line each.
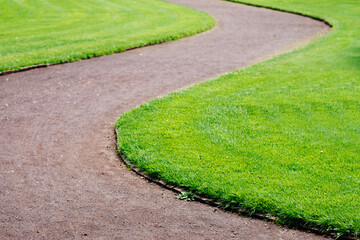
[60, 176]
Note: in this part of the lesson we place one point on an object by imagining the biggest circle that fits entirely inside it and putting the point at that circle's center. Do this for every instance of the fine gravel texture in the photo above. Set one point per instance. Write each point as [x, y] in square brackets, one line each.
[60, 177]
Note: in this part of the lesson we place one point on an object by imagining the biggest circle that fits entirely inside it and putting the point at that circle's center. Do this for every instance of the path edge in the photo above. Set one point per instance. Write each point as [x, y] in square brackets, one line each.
[213, 203]
[165, 39]
[323, 20]
[45, 65]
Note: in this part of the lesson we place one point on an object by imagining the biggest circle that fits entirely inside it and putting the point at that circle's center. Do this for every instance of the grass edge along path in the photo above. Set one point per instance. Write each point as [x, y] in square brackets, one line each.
[280, 137]
[60, 32]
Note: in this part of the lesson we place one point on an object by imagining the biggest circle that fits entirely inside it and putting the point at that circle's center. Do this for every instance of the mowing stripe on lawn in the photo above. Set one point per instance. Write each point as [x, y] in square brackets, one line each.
[280, 137]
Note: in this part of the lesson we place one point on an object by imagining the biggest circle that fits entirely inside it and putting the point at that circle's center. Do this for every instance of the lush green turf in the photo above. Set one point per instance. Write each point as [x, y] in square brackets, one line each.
[281, 137]
[41, 32]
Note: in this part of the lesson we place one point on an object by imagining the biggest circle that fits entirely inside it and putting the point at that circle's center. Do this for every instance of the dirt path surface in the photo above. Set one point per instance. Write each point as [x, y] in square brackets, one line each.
[59, 175]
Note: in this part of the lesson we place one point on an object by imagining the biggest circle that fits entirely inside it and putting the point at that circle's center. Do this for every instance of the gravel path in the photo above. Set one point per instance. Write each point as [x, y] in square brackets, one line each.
[60, 177]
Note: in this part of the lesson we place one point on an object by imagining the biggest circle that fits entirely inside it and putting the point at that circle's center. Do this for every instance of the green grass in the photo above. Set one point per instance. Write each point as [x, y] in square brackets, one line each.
[54, 31]
[281, 137]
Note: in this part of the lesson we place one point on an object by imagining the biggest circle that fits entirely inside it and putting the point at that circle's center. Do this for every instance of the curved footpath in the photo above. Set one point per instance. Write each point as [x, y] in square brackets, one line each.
[59, 174]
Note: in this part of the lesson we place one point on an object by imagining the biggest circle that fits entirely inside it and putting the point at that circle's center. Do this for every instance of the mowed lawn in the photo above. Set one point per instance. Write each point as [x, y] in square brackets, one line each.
[281, 137]
[54, 31]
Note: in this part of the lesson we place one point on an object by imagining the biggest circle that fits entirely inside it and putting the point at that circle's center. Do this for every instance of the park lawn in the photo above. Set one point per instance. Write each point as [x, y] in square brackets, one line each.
[53, 31]
[281, 137]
